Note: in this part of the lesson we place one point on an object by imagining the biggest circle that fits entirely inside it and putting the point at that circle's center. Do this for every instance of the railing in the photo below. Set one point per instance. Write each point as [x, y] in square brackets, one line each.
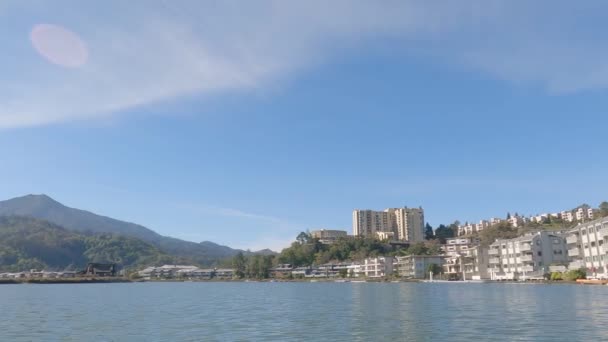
[494, 260]
[493, 251]
[527, 269]
[572, 239]
[525, 247]
[527, 257]
[573, 252]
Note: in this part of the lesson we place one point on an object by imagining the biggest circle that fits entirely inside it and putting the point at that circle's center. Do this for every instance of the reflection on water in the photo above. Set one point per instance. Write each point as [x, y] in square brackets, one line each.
[303, 312]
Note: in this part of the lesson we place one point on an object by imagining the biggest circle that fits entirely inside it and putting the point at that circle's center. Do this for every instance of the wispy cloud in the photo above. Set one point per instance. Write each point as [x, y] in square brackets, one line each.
[145, 52]
[266, 231]
[229, 212]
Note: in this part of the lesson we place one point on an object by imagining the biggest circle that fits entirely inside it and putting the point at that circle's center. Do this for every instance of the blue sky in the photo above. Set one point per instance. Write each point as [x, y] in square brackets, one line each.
[244, 123]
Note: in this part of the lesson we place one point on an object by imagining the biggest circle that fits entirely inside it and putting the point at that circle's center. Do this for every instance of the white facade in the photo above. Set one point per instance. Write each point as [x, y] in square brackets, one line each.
[526, 257]
[465, 254]
[587, 247]
[407, 224]
[416, 266]
[376, 267]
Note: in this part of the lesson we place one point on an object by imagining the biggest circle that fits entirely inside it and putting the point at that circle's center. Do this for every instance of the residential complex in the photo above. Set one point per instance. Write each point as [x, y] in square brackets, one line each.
[328, 236]
[582, 214]
[405, 224]
[587, 247]
[184, 272]
[528, 256]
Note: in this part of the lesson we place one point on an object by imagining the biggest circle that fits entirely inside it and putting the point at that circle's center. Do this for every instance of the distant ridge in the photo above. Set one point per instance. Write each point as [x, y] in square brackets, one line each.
[45, 208]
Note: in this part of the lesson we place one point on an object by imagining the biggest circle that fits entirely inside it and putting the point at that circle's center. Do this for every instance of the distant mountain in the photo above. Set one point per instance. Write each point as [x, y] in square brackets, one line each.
[45, 208]
[27, 243]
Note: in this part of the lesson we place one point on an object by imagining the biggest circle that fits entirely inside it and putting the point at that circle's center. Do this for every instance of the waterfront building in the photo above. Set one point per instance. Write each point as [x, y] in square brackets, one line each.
[281, 271]
[376, 267]
[526, 257]
[100, 270]
[465, 258]
[407, 224]
[184, 272]
[328, 236]
[587, 247]
[416, 266]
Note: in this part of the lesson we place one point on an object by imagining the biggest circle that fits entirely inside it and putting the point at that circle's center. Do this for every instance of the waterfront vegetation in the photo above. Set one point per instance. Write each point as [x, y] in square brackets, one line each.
[307, 251]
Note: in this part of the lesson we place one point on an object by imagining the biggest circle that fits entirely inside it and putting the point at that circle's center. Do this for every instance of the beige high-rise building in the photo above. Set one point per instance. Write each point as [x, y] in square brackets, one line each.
[407, 224]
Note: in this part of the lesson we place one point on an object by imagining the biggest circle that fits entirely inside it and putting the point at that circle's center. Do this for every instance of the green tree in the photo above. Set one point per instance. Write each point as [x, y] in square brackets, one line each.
[239, 264]
[556, 276]
[343, 273]
[428, 232]
[603, 209]
[443, 232]
[436, 269]
[303, 238]
[573, 275]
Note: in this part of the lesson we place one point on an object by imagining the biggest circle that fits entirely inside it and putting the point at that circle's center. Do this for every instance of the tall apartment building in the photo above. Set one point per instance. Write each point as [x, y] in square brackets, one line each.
[587, 247]
[526, 257]
[407, 224]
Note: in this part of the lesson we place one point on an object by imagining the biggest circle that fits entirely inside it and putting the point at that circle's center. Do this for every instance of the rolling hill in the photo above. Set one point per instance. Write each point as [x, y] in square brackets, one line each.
[28, 243]
[43, 207]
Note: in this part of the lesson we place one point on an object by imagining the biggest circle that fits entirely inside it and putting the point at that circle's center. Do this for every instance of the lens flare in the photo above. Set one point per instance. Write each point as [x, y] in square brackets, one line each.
[59, 45]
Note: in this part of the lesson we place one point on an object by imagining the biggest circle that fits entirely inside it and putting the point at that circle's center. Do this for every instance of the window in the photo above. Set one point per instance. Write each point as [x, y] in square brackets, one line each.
[583, 232]
[592, 243]
[539, 253]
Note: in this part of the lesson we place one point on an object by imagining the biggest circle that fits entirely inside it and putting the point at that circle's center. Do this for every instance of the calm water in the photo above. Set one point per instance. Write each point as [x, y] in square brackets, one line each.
[302, 312]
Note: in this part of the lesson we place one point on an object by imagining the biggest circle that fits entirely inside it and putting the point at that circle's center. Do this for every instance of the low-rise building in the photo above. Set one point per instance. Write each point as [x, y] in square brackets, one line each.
[587, 247]
[100, 270]
[465, 259]
[416, 266]
[376, 267]
[526, 257]
[328, 236]
[384, 236]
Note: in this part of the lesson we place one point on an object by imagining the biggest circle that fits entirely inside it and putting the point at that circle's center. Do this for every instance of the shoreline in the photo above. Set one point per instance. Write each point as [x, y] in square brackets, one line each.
[100, 280]
[64, 280]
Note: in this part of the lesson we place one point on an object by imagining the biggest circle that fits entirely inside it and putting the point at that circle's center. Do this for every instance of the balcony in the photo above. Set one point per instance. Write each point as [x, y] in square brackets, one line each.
[526, 257]
[603, 232]
[526, 269]
[525, 247]
[494, 251]
[494, 260]
[573, 252]
[571, 239]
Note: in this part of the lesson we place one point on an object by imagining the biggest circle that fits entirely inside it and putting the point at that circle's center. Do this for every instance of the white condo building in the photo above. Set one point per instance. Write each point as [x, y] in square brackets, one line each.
[465, 259]
[587, 247]
[416, 266]
[526, 257]
[375, 267]
[406, 224]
